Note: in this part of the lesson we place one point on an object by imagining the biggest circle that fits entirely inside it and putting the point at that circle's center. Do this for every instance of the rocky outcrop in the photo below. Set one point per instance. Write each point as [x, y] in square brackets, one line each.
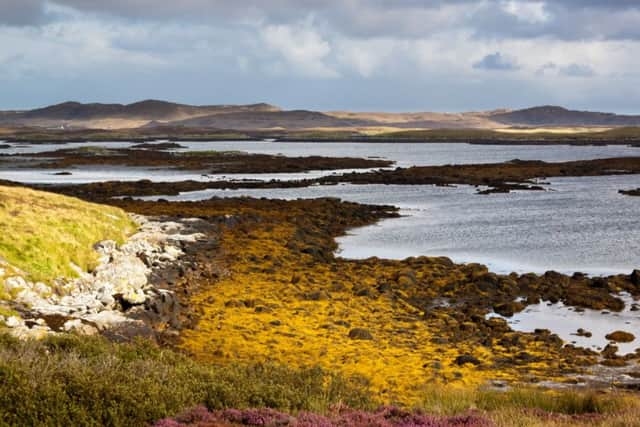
[117, 294]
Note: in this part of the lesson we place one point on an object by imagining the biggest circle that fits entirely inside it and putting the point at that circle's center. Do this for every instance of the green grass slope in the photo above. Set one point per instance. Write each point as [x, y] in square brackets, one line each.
[42, 233]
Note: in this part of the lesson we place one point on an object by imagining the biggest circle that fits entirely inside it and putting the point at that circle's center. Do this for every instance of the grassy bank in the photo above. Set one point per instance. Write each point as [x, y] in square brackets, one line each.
[89, 381]
[43, 233]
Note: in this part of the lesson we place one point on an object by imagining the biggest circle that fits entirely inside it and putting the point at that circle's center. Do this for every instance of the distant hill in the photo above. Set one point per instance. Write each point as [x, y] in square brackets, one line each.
[154, 113]
[550, 115]
[119, 115]
[296, 119]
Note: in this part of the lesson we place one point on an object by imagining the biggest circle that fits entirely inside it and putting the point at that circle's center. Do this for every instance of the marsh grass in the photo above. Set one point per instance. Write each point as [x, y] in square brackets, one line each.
[43, 233]
[449, 400]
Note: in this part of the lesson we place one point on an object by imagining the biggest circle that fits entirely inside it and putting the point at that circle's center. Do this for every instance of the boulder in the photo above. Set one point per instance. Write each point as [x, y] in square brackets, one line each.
[620, 336]
[78, 326]
[463, 359]
[13, 322]
[360, 334]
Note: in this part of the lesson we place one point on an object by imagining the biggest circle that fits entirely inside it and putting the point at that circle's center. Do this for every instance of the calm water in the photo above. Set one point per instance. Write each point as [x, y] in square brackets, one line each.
[578, 224]
[565, 321]
[404, 154]
[108, 173]
[407, 154]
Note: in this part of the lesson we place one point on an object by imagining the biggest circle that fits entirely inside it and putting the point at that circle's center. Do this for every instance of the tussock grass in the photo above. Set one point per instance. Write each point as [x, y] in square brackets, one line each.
[449, 400]
[43, 233]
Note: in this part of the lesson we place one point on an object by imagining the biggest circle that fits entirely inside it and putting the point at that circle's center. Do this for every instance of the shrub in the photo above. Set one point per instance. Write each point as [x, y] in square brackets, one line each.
[70, 380]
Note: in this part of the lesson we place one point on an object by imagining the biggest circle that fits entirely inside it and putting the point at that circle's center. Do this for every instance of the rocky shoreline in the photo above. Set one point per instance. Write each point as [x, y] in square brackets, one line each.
[207, 162]
[128, 294]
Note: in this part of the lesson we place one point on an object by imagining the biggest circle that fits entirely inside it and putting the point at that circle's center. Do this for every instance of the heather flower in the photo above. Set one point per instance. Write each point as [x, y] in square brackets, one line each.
[388, 416]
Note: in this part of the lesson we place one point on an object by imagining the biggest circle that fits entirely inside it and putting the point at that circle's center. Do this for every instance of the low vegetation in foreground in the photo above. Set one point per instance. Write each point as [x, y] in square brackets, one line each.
[43, 234]
[69, 380]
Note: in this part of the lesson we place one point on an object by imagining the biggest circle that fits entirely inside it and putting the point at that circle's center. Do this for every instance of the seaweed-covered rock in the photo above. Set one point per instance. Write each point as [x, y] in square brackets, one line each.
[360, 334]
[620, 336]
[463, 359]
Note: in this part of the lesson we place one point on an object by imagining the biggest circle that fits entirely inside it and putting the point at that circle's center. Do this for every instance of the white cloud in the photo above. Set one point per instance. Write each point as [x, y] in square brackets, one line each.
[301, 47]
[532, 12]
[369, 57]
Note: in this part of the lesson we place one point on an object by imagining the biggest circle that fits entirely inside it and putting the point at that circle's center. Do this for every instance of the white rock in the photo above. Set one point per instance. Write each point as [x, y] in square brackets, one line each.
[41, 289]
[106, 319]
[15, 282]
[90, 297]
[76, 325]
[106, 247]
[14, 322]
[107, 300]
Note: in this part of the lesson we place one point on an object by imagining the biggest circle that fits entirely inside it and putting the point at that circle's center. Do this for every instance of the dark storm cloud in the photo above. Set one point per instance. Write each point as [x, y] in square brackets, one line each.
[21, 12]
[565, 19]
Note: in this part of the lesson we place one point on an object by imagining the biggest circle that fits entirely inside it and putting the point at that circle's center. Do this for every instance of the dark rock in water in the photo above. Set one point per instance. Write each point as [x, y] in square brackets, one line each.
[360, 334]
[635, 192]
[508, 309]
[620, 336]
[466, 358]
[583, 333]
[635, 277]
[64, 173]
[4, 146]
[158, 146]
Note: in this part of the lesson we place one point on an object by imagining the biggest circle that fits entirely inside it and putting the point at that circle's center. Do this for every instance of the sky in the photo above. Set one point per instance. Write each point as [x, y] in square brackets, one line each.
[363, 55]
